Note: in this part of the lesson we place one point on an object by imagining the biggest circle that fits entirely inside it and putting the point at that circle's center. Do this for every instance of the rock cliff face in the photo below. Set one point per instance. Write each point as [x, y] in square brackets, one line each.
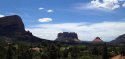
[10, 25]
[119, 39]
[12, 29]
[67, 37]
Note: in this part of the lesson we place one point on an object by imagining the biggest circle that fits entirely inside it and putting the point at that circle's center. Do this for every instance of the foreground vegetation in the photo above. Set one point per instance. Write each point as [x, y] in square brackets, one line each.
[45, 50]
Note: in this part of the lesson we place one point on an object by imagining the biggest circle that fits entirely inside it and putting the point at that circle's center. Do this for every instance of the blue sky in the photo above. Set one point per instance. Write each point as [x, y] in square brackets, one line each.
[89, 18]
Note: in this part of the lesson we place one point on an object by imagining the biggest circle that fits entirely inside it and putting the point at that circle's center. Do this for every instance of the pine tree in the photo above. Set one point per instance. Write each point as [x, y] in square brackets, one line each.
[105, 52]
[53, 52]
[95, 51]
[9, 52]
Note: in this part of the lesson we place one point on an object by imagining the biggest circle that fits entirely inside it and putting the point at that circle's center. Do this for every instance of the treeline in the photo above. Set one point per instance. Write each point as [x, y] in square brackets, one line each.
[45, 50]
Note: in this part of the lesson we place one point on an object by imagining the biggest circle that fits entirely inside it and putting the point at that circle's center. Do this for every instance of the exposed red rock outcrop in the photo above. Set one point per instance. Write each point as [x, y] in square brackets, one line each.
[97, 40]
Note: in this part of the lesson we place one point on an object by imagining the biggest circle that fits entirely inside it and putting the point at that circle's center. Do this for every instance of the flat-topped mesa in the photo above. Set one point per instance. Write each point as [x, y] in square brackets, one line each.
[67, 37]
[11, 24]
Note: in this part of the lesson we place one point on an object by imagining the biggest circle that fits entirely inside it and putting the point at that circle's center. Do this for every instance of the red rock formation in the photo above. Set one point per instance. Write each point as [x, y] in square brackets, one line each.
[97, 40]
[11, 25]
[67, 37]
[12, 28]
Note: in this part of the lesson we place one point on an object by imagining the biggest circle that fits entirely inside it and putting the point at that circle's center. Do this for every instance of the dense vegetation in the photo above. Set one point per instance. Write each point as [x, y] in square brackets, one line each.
[47, 50]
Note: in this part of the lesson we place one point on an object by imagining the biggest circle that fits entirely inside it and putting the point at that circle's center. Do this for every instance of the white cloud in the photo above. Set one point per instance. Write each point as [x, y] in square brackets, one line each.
[123, 4]
[101, 5]
[40, 8]
[121, 0]
[106, 30]
[2, 15]
[45, 19]
[49, 11]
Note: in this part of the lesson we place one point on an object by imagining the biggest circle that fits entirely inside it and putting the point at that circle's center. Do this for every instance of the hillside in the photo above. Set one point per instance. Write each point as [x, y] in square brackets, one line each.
[119, 39]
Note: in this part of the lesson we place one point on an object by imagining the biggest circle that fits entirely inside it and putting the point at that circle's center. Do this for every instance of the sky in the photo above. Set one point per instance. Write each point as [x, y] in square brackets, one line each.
[88, 18]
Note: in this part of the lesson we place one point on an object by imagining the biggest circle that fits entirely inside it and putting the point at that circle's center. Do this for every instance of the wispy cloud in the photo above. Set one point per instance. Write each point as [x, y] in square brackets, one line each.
[86, 31]
[40, 8]
[100, 5]
[123, 4]
[50, 10]
[45, 19]
[121, 0]
[47, 10]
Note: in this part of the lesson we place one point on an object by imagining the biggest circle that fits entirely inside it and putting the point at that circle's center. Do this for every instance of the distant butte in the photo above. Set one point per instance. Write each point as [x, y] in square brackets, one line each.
[97, 40]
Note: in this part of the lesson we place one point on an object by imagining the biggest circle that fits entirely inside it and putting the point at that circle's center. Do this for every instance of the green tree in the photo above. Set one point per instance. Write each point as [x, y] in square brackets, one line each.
[9, 52]
[53, 52]
[95, 51]
[105, 52]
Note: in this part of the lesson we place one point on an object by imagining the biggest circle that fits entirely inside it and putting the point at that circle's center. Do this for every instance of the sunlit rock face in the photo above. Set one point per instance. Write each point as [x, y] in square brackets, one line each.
[67, 37]
[97, 40]
[119, 39]
[11, 24]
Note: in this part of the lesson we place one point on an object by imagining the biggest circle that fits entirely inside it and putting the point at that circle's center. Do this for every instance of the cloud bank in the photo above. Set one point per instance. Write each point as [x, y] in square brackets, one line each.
[2, 15]
[86, 31]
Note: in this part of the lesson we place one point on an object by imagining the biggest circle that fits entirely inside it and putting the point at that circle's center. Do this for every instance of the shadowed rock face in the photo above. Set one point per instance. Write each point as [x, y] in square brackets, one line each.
[11, 24]
[67, 37]
[12, 29]
[119, 39]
